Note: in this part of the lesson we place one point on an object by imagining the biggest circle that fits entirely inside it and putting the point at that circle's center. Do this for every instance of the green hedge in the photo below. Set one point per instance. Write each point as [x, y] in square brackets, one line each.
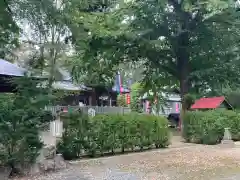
[112, 133]
[207, 127]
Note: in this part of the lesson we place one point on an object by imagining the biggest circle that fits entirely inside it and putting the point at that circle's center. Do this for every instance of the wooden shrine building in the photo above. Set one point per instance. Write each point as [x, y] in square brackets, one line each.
[93, 96]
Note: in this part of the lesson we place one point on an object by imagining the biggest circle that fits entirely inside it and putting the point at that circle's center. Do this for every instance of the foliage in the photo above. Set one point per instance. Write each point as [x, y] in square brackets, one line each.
[233, 99]
[174, 42]
[136, 94]
[179, 43]
[21, 116]
[121, 100]
[106, 133]
[80, 18]
[9, 31]
[188, 100]
[131, 72]
[47, 32]
[76, 125]
[207, 127]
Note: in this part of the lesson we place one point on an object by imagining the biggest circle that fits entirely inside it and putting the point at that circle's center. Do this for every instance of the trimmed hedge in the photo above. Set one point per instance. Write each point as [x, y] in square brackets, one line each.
[112, 133]
[207, 127]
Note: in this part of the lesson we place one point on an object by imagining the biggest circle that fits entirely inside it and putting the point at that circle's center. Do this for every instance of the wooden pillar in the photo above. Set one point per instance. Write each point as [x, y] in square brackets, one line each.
[110, 101]
[90, 100]
[94, 97]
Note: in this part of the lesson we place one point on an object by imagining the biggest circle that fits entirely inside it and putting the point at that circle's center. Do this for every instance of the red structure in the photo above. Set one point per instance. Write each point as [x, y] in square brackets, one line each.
[128, 99]
[211, 103]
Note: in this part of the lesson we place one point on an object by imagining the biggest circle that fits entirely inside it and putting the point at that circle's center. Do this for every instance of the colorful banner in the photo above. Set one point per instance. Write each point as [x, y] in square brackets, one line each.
[128, 98]
[177, 107]
[118, 83]
[147, 106]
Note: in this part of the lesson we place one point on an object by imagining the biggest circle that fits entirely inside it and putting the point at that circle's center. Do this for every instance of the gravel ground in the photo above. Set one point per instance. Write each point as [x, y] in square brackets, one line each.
[233, 177]
[196, 162]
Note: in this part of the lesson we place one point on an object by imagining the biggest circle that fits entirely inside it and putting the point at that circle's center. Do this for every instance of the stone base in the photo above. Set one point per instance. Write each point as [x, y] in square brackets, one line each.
[45, 165]
[60, 162]
[227, 143]
[4, 173]
[53, 164]
[48, 152]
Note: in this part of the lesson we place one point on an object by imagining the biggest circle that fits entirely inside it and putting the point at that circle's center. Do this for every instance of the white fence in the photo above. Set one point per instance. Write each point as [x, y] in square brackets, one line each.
[106, 109]
[98, 109]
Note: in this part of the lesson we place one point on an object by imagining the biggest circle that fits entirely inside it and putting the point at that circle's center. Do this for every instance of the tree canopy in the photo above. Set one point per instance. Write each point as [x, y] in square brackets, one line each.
[184, 44]
[9, 31]
[188, 44]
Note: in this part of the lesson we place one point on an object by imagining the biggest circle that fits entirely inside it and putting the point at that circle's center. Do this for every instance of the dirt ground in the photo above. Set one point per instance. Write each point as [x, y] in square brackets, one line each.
[179, 162]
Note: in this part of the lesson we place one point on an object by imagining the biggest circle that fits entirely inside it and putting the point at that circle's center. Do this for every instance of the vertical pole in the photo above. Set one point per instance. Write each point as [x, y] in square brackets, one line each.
[55, 145]
[110, 102]
[180, 124]
[55, 153]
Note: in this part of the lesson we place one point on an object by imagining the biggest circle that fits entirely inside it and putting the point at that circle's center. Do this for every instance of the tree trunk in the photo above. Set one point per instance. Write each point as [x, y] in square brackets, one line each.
[183, 65]
[182, 54]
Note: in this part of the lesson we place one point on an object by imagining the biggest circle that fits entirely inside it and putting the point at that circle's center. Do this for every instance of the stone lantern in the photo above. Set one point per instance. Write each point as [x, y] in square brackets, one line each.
[227, 138]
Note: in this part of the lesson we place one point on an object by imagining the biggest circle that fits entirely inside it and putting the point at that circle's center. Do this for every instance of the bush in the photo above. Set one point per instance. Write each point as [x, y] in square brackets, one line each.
[21, 116]
[111, 133]
[208, 127]
[136, 94]
[74, 138]
[122, 100]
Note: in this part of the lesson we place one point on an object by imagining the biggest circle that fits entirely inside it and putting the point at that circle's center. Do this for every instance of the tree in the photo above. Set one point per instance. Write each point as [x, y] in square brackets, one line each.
[21, 117]
[181, 43]
[49, 37]
[81, 20]
[188, 100]
[136, 97]
[9, 31]
[47, 33]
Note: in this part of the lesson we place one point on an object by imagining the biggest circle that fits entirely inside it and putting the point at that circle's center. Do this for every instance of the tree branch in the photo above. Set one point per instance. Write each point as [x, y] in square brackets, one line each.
[187, 17]
[8, 8]
[178, 7]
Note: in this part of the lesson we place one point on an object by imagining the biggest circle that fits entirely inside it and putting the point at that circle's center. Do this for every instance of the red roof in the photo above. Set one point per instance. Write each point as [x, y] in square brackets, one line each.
[208, 103]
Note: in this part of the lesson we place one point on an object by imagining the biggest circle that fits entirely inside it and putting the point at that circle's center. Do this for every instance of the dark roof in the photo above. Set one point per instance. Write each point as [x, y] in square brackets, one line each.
[10, 69]
[208, 103]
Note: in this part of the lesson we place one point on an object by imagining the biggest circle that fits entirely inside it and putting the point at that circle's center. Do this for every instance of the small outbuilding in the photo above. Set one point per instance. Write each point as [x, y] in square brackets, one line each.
[211, 103]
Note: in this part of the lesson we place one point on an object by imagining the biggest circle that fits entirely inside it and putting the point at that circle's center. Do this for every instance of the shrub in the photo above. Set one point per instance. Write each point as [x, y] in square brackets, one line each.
[21, 116]
[121, 100]
[136, 93]
[208, 127]
[130, 131]
[113, 132]
[74, 140]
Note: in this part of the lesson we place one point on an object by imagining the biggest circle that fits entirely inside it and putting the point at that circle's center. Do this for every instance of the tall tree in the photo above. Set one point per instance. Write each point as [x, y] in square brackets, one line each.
[9, 31]
[47, 33]
[185, 43]
[81, 20]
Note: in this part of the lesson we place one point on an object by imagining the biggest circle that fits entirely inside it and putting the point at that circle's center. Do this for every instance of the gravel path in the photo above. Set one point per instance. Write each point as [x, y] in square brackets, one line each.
[196, 162]
[179, 162]
[234, 177]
